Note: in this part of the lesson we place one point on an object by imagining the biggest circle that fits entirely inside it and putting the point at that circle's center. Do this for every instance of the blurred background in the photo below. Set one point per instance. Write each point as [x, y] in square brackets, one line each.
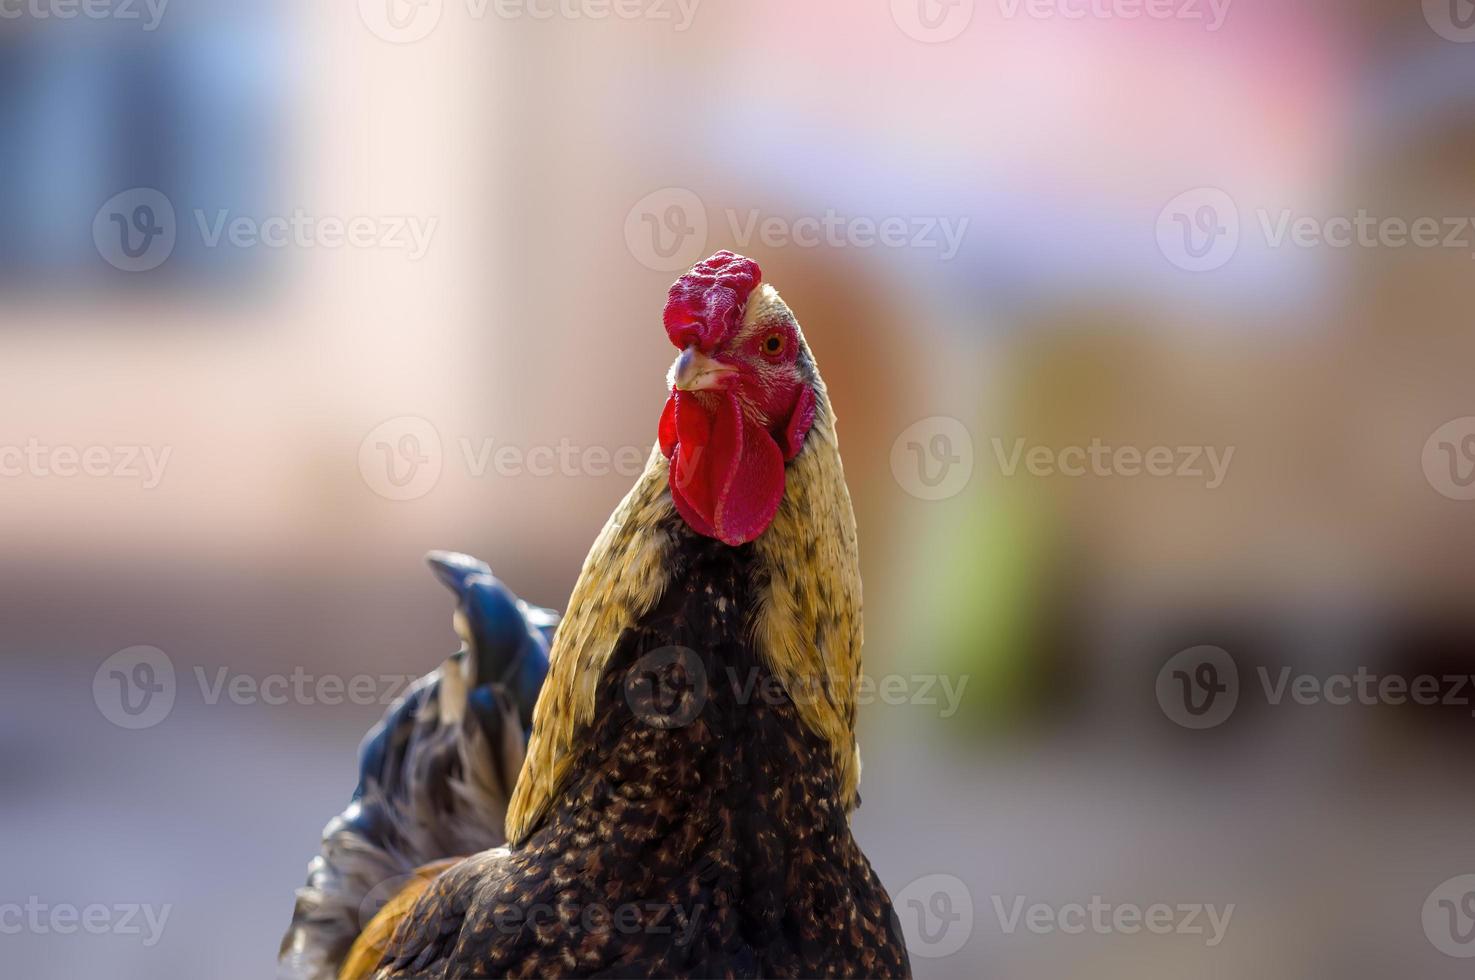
[1154, 406]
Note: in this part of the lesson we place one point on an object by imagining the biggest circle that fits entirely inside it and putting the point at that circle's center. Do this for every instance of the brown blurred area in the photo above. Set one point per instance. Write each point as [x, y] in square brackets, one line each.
[272, 545]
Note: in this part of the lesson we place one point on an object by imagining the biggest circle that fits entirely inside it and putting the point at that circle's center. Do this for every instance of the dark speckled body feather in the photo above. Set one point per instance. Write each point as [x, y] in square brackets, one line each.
[702, 834]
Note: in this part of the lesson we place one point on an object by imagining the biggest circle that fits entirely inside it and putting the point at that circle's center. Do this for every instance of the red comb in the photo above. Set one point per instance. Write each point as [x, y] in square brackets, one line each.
[703, 306]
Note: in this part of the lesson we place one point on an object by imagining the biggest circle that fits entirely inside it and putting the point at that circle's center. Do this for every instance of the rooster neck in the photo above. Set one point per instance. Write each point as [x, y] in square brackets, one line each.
[804, 613]
[700, 809]
[808, 620]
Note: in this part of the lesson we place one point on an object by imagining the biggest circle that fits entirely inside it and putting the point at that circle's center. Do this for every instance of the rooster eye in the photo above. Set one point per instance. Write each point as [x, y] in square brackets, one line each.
[774, 344]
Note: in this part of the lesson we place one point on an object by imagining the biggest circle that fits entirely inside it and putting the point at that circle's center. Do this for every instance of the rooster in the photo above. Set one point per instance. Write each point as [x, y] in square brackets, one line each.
[683, 805]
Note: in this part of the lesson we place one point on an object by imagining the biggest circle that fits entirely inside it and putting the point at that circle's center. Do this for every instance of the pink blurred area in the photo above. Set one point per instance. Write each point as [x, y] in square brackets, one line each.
[533, 320]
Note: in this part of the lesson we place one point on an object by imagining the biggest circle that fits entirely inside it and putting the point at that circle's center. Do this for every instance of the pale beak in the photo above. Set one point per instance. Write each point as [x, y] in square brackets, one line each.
[695, 371]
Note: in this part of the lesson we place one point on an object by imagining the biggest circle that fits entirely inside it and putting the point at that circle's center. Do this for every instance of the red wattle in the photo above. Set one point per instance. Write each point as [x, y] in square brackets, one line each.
[726, 475]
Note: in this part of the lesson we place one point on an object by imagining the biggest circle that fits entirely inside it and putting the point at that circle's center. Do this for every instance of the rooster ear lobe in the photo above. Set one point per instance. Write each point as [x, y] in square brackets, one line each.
[791, 440]
[667, 430]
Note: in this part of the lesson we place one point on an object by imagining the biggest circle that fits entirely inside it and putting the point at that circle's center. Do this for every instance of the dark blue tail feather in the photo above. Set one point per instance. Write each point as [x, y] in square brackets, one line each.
[435, 774]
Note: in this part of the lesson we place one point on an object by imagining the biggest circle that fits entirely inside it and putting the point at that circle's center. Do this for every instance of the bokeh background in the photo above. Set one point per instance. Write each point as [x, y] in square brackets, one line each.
[320, 412]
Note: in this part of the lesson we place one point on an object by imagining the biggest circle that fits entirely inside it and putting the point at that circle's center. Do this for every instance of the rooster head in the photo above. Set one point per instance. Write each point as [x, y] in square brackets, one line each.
[742, 398]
